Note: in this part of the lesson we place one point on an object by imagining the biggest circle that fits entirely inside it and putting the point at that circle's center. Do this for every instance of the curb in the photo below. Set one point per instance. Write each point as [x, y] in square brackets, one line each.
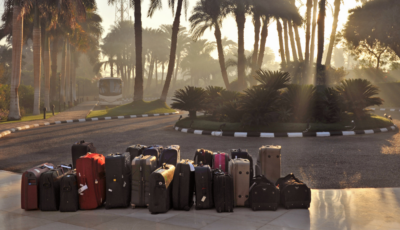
[287, 134]
[384, 109]
[8, 132]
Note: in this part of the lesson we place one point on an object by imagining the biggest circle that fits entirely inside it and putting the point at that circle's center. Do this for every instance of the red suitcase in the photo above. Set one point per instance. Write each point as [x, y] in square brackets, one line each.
[30, 186]
[221, 161]
[90, 171]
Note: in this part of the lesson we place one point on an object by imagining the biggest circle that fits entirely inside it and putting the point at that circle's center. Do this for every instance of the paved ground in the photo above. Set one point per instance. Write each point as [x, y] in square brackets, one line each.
[76, 112]
[323, 163]
[355, 209]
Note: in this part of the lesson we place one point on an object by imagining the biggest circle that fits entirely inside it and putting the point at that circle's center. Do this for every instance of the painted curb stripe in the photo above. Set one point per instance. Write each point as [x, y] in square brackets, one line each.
[198, 132]
[295, 134]
[384, 130]
[269, 135]
[240, 134]
[369, 131]
[348, 133]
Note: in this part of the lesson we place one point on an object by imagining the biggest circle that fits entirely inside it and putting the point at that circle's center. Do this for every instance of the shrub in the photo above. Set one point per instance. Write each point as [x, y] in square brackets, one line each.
[26, 97]
[4, 97]
[190, 99]
[299, 100]
[328, 105]
[213, 99]
[358, 94]
[230, 111]
[3, 114]
[274, 80]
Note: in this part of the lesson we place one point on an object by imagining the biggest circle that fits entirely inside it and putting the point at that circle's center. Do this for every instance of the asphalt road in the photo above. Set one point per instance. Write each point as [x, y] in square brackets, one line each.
[323, 163]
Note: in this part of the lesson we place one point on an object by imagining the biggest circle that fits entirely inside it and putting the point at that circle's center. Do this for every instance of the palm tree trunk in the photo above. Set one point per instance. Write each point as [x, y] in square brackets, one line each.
[314, 30]
[172, 55]
[36, 62]
[298, 42]
[46, 65]
[17, 31]
[53, 78]
[68, 76]
[63, 71]
[178, 62]
[264, 35]
[241, 67]
[138, 93]
[257, 28]
[73, 75]
[292, 43]
[150, 73]
[111, 66]
[156, 72]
[221, 56]
[308, 31]
[162, 78]
[333, 34]
[321, 41]
[286, 37]
[281, 46]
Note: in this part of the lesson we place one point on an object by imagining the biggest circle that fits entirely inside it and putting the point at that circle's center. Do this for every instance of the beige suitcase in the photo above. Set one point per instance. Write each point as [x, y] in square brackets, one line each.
[269, 162]
[240, 170]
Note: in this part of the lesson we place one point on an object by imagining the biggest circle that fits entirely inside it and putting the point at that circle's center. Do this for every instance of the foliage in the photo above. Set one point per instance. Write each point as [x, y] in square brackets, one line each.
[273, 80]
[231, 111]
[299, 99]
[213, 99]
[335, 76]
[4, 97]
[327, 105]
[190, 99]
[26, 93]
[358, 94]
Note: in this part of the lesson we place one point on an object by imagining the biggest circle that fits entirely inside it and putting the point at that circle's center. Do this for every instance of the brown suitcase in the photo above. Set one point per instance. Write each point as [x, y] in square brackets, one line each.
[269, 162]
[240, 170]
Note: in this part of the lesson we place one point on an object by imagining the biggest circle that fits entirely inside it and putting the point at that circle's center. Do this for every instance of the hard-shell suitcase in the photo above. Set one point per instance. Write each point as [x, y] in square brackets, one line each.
[183, 185]
[90, 171]
[142, 167]
[118, 180]
[204, 187]
[30, 185]
[69, 197]
[170, 155]
[244, 154]
[160, 189]
[293, 192]
[264, 195]
[135, 150]
[221, 161]
[50, 188]
[223, 191]
[154, 150]
[240, 169]
[269, 162]
[204, 156]
[81, 148]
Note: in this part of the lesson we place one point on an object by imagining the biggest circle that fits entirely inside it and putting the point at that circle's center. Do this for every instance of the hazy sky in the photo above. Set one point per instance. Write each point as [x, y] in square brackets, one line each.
[229, 30]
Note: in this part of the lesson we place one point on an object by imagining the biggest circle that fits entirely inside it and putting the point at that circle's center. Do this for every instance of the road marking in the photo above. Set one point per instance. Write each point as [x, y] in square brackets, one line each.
[268, 135]
[295, 134]
[216, 133]
[240, 134]
[107, 118]
[145, 115]
[132, 116]
[348, 133]
[156, 114]
[369, 131]
[70, 121]
[323, 134]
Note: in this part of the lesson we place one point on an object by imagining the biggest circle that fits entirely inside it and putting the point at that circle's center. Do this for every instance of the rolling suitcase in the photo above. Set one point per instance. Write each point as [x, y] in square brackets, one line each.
[81, 148]
[30, 184]
[293, 192]
[223, 191]
[90, 171]
[244, 154]
[142, 167]
[183, 185]
[154, 150]
[50, 188]
[204, 187]
[160, 189]
[269, 162]
[204, 156]
[69, 197]
[240, 170]
[135, 150]
[264, 195]
[220, 161]
[170, 155]
[118, 180]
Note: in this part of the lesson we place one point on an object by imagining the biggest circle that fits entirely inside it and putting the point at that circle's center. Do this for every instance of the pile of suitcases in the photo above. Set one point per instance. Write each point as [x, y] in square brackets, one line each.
[157, 178]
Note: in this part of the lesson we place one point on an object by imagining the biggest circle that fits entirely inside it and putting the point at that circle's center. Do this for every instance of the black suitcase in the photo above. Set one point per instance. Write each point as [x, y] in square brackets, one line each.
[204, 189]
[170, 155]
[294, 193]
[263, 195]
[204, 156]
[118, 180]
[223, 191]
[160, 189]
[81, 148]
[50, 188]
[183, 185]
[69, 197]
[142, 168]
[154, 150]
[135, 150]
[244, 154]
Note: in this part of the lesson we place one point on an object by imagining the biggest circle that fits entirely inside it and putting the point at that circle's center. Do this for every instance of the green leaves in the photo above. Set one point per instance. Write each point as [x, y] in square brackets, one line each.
[189, 99]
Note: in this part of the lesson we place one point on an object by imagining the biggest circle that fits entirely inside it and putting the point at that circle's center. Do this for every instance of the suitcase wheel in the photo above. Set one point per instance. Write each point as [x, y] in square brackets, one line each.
[186, 208]
[133, 206]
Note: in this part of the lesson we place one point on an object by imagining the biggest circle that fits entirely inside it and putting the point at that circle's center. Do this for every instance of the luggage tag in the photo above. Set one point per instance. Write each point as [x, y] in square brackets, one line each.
[203, 199]
[191, 166]
[82, 189]
[48, 166]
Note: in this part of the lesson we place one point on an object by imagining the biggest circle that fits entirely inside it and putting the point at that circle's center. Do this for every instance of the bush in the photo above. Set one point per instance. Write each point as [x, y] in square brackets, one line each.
[328, 105]
[230, 111]
[190, 99]
[299, 99]
[3, 114]
[274, 80]
[26, 97]
[213, 99]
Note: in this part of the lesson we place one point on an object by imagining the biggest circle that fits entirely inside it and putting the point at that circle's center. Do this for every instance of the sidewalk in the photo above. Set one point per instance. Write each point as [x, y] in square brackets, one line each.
[76, 112]
[367, 209]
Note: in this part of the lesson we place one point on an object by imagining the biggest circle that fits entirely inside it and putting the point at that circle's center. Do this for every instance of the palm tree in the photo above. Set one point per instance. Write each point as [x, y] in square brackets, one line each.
[286, 38]
[308, 31]
[36, 62]
[281, 45]
[321, 40]
[155, 4]
[314, 28]
[333, 34]
[207, 14]
[292, 42]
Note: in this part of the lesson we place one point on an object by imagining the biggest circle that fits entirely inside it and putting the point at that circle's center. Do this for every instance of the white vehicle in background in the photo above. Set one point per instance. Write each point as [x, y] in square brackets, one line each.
[110, 91]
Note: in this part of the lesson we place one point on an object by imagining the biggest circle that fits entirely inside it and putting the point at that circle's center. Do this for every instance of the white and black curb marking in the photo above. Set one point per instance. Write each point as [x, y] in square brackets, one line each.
[385, 109]
[8, 132]
[393, 128]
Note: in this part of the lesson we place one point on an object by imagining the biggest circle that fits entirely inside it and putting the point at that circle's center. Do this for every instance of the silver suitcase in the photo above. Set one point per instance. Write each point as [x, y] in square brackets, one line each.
[240, 170]
[269, 162]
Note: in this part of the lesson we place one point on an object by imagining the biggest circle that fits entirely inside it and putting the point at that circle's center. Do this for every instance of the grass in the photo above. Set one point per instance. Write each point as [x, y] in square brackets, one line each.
[369, 122]
[134, 108]
[29, 117]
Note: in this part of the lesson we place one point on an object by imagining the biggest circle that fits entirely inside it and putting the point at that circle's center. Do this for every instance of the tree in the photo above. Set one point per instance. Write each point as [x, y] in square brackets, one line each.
[36, 61]
[308, 30]
[314, 29]
[207, 14]
[321, 40]
[155, 4]
[333, 34]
